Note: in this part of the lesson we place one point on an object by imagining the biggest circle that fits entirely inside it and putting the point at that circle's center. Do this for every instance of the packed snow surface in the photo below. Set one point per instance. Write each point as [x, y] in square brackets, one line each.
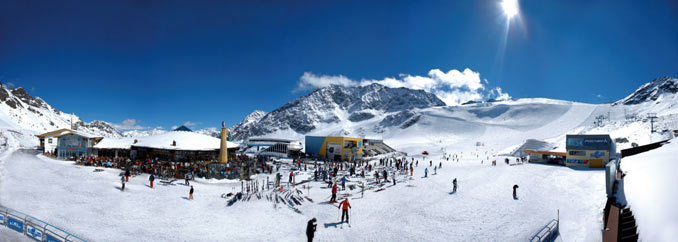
[91, 204]
[651, 192]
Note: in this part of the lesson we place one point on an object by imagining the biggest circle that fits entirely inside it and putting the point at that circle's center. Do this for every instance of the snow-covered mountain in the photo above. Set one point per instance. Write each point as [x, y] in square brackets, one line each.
[338, 105]
[652, 91]
[21, 112]
[241, 130]
[413, 120]
[143, 133]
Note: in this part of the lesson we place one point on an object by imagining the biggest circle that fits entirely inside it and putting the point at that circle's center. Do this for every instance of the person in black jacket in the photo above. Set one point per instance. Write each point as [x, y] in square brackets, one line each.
[151, 179]
[310, 229]
[127, 173]
[515, 196]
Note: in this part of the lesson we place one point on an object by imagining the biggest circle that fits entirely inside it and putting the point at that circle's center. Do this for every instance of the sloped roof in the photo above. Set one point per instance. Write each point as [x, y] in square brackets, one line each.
[115, 143]
[184, 141]
[61, 132]
[183, 128]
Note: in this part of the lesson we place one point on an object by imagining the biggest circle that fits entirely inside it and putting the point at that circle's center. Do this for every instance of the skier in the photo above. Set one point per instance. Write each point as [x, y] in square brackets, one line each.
[376, 176]
[151, 179]
[515, 196]
[291, 176]
[435, 170]
[343, 183]
[440, 165]
[454, 182]
[310, 229]
[425, 172]
[334, 194]
[430, 163]
[127, 174]
[190, 193]
[394, 181]
[186, 179]
[417, 165]
[411, 171]
[385, 176]
[344, 205]
[122, 180]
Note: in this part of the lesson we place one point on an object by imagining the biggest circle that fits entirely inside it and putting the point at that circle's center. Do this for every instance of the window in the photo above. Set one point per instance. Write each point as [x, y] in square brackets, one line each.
[577, 152]
[49, 140]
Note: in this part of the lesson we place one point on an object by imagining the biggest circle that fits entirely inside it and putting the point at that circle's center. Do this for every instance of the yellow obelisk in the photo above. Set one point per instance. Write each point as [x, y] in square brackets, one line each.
[223, 152]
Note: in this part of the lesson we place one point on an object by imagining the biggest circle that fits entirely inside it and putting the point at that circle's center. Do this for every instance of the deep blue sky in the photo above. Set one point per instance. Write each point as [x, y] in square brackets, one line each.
[167, 62]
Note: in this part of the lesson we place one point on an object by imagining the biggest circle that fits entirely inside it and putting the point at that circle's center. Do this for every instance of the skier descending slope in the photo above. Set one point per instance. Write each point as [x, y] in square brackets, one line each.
[454, 183]
[122, 180]
[310, 229]
[190, 194]
[515, 196]
[425, 172]
[344, 206]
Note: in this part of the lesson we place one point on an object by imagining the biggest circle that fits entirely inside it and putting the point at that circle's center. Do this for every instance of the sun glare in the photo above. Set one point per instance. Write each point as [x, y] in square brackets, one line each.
[510, 8]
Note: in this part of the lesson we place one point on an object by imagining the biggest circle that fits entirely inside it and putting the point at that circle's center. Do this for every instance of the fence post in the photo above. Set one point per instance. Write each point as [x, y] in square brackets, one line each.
[558, 222]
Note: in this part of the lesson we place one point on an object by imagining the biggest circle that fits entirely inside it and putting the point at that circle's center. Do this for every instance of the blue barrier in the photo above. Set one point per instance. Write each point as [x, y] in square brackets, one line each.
[15, 224]
[34, 228]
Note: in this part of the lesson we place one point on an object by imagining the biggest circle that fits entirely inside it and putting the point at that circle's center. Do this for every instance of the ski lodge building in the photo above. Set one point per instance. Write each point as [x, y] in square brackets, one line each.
[66, 143]
[593, 151]
[344, 148]
[182, 146]
[272, 147]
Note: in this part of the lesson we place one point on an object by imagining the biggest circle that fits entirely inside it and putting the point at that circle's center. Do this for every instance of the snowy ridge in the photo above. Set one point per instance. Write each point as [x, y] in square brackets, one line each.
[334, 105]
[21, 111]
[652, 91]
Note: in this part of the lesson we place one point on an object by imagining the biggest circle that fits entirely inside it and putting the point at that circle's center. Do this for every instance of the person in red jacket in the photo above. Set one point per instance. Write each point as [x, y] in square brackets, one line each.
[334, 193]
[344, 205]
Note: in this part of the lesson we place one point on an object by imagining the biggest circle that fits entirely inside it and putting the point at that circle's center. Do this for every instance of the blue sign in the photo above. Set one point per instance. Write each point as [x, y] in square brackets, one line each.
[15, 224]
[49, 238]
[597, 154]
[33, 233]
[360, 143]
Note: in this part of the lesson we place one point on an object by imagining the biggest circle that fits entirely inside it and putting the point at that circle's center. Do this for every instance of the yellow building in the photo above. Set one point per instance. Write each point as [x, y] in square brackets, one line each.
[593, 151]
[335, 148]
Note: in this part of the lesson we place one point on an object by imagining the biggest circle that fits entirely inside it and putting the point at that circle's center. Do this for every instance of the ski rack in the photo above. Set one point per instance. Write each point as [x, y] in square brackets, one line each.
[34, 228]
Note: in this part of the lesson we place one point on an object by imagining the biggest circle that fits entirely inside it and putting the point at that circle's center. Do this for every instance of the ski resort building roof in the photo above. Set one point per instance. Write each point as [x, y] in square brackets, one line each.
[115, 143]
[182, 140]
[62, 132]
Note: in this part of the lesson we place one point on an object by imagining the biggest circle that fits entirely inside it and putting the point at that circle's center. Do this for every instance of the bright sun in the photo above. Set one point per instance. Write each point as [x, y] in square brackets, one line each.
[510, 8]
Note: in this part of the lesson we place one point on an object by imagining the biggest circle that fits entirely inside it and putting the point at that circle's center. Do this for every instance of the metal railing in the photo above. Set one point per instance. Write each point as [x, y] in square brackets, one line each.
[549, 232]
[34, 228]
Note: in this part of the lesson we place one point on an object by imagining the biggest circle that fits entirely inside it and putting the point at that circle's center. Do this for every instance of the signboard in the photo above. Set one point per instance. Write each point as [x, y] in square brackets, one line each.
[33, 233]
[50, 238]
[2, 219]
[15, 224]
[595, 141]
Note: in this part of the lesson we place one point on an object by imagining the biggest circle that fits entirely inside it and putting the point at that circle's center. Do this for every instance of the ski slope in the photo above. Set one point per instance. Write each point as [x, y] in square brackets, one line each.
[90, 204]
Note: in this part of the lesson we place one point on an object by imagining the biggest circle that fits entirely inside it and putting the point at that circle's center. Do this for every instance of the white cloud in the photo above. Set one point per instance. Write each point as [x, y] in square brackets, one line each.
[174, 127]
[499, 95]
[190, 124]
[310, 81]
[129, 124]
[453, 87]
